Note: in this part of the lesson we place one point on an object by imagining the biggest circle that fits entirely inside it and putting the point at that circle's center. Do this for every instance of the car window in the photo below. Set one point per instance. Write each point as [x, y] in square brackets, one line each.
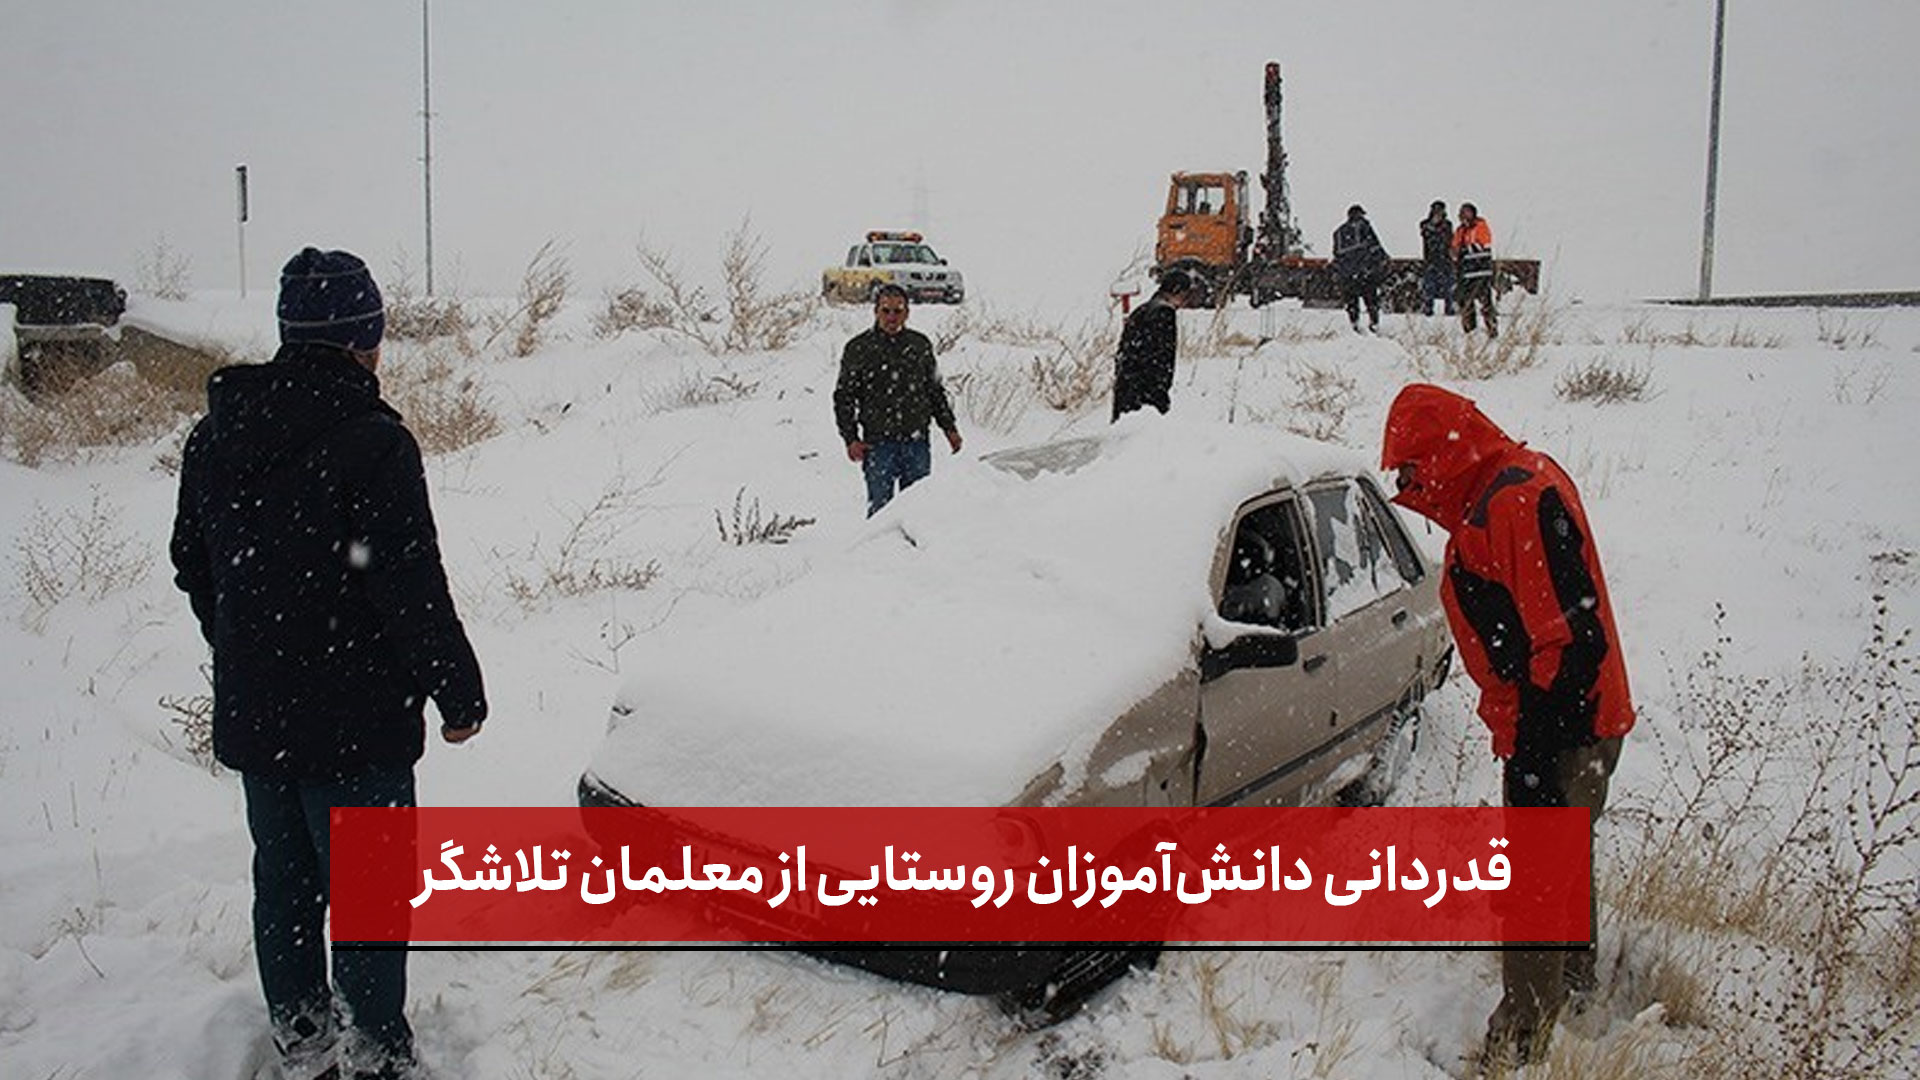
[1403, 561]
[1350, 547]
[1269, 579]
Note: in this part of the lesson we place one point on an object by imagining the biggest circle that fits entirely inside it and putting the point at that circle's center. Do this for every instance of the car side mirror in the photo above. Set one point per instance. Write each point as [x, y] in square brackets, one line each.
[1257, 649]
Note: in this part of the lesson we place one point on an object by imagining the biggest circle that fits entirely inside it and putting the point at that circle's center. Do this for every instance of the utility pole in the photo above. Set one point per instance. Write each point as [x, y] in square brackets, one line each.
[426, 130]
[1713, 153]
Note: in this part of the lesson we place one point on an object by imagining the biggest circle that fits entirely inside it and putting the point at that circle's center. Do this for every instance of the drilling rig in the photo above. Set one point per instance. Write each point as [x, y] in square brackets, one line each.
[1205, 229]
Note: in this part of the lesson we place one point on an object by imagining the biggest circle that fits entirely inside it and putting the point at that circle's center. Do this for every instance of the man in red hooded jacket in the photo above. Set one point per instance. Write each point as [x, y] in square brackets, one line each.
[1528, 607]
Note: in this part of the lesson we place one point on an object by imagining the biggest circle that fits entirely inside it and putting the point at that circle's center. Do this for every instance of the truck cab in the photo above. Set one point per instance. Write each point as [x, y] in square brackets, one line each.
[1205, 226]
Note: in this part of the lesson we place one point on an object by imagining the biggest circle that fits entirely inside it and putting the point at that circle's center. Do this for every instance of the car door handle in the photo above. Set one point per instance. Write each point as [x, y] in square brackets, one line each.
[1400, 617]
[1314, 663]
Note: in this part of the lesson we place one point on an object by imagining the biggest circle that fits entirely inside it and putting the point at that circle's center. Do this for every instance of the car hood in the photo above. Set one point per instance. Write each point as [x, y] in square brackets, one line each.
[986, 625]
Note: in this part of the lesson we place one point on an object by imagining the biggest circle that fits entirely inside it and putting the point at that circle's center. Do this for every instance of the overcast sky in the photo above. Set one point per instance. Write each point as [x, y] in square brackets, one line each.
[1031, 141]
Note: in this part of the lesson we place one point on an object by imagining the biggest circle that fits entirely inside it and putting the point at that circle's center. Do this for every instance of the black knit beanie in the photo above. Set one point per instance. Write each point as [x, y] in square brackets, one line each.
[329, 297]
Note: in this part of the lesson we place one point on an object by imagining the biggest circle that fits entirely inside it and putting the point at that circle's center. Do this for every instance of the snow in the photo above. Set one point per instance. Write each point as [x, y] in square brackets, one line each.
[1773, 480]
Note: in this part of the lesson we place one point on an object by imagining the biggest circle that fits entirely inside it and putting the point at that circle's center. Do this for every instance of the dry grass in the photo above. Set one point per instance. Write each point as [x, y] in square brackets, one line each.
[1603, 381]
[1646, 330]
[114, 408]
[445, 410]
[587, 558]
[1439, 348]
[1845, 332]
[1069, 369]
[82, 553]
[191, 715]
[1321, 398]
[1784, 847]
[692, 390]
[991, 398]
[748, 525]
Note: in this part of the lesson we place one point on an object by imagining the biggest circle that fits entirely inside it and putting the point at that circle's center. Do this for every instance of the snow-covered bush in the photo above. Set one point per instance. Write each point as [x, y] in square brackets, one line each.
[445, 411]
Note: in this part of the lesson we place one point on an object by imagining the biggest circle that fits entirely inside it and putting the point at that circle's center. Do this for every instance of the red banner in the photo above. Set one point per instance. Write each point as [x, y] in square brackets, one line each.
[852, 874]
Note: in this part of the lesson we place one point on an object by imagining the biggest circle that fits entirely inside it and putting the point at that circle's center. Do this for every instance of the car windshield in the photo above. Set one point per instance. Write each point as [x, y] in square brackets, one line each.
[1057, 457]
[904, 253]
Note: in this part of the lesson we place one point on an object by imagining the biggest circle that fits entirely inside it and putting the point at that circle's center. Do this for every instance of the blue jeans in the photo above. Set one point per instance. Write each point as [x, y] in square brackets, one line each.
[894, 466]
[288, 820]
[1436, 284]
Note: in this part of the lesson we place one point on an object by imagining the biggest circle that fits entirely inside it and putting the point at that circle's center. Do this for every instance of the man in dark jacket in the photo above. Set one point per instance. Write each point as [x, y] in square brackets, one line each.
[889, 390]
[1149, 343]
[1436, 257]
[1529, 611]
[1362, 264]
[305, 544]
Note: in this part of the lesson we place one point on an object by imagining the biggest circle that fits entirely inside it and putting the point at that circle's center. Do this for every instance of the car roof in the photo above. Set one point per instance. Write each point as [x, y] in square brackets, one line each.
[986, 624]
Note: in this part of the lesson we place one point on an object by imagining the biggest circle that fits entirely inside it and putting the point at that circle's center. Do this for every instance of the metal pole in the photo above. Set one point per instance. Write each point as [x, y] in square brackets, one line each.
[426, 132]
[240, 180]
[1713, 153]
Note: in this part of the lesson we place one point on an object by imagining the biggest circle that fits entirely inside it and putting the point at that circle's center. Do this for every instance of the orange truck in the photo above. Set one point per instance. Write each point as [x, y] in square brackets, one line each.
[1208, 229]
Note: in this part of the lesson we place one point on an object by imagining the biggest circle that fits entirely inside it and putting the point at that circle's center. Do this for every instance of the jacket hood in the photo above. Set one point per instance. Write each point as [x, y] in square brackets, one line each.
[1450, 443]
[260, 415]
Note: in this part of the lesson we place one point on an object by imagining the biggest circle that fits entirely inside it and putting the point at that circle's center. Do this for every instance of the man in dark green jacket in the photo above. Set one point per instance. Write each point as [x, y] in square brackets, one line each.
[889, 391]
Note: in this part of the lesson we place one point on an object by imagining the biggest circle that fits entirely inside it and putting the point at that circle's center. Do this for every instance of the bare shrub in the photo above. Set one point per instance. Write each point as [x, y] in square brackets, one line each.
[445, 411]
[191, 715]
[961, 322]
[1603, 382]
[1074, 365]
[1791, 838]
[691, 390]
[747, 525]
[758, 320]
[748, 317]
[585, 560]
[543, 290]
[162, 272]
[81, 553]
[1321, 398]
[414, 317]
[622, 310]
[113, 408]
[992, 399]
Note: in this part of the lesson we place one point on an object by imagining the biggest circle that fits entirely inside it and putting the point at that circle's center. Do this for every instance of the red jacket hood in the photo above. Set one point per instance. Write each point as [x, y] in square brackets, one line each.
[1450, 443]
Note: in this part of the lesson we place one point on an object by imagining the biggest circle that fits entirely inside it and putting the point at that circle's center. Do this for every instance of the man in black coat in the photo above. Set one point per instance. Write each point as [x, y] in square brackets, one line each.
[1436, 258]
[1149, 343]
[1361, 263]
[306, 546]
[887, 394]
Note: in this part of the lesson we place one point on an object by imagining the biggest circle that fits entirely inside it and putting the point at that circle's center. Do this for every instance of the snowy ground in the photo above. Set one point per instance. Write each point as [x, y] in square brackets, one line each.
[1771, 472]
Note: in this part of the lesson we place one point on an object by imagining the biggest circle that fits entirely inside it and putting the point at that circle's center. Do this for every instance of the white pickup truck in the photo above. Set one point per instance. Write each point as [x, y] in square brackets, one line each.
[892, 258]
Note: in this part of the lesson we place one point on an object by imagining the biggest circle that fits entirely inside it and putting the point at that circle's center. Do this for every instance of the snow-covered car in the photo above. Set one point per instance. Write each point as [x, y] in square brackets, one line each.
[893, 258]
[1163, 614]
